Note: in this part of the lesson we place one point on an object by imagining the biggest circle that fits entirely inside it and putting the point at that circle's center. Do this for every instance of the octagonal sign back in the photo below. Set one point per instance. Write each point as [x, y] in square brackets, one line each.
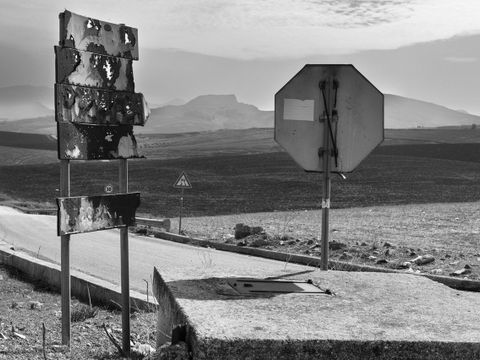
[357, 121]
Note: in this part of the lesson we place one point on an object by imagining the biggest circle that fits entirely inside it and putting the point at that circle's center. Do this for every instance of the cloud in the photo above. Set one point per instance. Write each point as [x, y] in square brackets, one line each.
[250, 29]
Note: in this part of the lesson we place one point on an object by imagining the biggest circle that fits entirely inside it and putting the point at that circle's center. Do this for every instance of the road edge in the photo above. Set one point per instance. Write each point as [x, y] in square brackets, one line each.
[101, 291]
[458, 284]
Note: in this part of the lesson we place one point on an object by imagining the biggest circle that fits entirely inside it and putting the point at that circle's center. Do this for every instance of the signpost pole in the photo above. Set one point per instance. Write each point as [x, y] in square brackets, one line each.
[326, 173]
[181, 213]
[124, 265]
[65, 258]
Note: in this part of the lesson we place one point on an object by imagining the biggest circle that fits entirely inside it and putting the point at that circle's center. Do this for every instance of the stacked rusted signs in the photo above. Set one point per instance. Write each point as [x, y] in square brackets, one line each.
[95, 109]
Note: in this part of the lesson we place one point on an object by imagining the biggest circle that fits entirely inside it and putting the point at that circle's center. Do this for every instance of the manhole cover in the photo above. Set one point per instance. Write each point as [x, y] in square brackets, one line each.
[257, 286]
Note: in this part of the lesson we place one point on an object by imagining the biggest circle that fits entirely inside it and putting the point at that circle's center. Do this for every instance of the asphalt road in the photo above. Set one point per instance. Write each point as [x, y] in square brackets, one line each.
[98, 253]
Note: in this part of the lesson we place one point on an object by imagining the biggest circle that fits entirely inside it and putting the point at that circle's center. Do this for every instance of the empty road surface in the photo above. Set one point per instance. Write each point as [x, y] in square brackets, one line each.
[98, 253]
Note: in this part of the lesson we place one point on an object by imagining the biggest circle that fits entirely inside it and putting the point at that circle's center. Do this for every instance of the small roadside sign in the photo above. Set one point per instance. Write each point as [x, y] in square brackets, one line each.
[182, 182]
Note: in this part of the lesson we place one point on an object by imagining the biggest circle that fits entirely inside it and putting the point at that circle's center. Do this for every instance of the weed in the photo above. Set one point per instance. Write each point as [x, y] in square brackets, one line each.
[83, 312]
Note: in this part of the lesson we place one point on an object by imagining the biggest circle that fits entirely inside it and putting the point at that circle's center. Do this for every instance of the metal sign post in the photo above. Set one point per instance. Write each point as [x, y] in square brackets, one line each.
[124, 263]
[327, 111]
[95, 110]
[325, 88]
[65, 258]
[182, 183]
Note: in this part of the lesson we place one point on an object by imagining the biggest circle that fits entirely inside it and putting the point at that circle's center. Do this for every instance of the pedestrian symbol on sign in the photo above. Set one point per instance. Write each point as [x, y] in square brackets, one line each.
[182, 182]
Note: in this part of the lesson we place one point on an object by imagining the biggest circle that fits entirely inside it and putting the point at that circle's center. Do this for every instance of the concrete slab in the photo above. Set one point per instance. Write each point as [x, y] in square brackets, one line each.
[371, 315]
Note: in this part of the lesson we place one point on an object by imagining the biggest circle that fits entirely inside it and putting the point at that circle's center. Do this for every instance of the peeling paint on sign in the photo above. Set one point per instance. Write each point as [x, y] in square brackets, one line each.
[82, 214]
[98, 36]
[84, 68]
[96, 142]
[84, 105]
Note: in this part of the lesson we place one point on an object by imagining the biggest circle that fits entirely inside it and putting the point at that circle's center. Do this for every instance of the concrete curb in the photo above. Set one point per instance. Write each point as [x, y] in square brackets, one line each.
[101, 292]
[459, 284]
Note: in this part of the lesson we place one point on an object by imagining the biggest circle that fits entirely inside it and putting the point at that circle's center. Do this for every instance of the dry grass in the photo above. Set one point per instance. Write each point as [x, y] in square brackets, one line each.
[25, 308]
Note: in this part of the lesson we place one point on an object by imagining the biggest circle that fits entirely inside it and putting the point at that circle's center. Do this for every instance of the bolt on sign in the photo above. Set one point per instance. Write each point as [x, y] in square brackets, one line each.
[328, 118]
[95, 110]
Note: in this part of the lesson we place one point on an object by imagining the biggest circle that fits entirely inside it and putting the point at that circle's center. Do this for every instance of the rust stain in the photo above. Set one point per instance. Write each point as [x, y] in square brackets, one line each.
[89, 34]
[82, 214]
[86, 105]
[90, 69]
[96, 142]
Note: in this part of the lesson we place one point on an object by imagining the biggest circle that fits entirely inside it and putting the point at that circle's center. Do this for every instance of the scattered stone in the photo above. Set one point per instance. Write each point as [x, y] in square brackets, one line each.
[372, 258]
[292, 242]
[258, 242]
[461, 272]
[381, 261]
[376, 252]
[1, 277]
[141, 230]
[346, 256]
[436, 271]
[387, 244]
[448, 256]
[242, 243]
[363, 244]
[307, 251]
[35, 305]
[423, 259]
[389, 252]
[467, 266]
[310, 242]
[143, 349]
[335, 245]
[18, 335]
[242, 230]
[453, 263]
[400, 265]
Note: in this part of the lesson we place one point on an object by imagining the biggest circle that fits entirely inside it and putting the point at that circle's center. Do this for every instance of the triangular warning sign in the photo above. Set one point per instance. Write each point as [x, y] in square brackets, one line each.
[182, 182]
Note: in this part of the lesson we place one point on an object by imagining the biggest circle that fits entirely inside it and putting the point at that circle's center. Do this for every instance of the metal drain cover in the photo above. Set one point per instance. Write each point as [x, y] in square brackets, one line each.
[259, 286]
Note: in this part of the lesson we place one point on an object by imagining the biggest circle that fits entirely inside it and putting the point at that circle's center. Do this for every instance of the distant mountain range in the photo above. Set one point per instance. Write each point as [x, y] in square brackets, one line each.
[29, 109]
[23, 102]
[206, 113]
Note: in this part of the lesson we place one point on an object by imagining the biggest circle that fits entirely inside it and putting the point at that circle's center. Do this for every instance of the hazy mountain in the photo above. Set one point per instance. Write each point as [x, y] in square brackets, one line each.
[205, 113]
[218, 112]
[402, 113]
[25, 101]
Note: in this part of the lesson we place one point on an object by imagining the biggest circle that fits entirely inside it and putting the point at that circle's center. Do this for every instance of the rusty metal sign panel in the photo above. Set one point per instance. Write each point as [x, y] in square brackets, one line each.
[82, 214]
[88, 34]
[357, 117]
[84, 68]
[96, 142]
[84, 105]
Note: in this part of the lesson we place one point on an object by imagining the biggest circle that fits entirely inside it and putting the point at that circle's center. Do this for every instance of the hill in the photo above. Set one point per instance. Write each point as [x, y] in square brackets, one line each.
[23, 102]
[207, 113]
[402, 113]
[220, 112]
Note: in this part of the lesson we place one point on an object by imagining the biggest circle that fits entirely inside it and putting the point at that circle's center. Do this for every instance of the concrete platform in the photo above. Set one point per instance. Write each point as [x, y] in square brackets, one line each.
[371, 316]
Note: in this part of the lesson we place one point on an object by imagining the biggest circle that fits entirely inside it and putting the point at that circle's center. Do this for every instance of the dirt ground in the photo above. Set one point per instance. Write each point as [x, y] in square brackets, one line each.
[26, 309]
[442, 239]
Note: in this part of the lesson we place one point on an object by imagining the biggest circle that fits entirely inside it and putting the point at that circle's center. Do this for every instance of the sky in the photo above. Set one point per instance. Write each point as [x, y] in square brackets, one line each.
[428, 50]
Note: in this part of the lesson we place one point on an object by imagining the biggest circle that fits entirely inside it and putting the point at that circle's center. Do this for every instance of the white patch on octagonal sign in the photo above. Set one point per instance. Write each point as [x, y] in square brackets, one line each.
[302, 110]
